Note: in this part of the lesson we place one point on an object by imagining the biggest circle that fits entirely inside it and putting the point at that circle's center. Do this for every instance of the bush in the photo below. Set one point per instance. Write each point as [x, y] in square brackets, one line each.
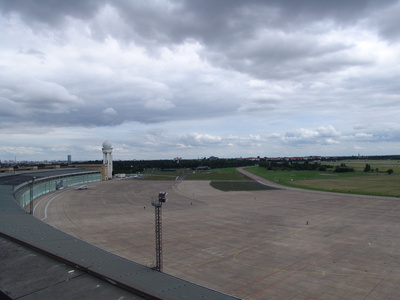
[343, 168]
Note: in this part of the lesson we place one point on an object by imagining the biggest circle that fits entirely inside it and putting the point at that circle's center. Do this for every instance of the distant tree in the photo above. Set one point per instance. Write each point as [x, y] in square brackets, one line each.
[390, 171]
[367, 168]
[343, 168]
[264, 164]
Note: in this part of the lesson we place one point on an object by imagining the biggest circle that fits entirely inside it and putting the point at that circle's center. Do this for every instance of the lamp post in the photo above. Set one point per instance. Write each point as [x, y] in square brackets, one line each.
[162, 198]
[31, 195]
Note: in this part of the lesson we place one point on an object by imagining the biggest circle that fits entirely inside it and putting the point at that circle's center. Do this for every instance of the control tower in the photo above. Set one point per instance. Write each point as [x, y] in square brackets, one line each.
[107, 158]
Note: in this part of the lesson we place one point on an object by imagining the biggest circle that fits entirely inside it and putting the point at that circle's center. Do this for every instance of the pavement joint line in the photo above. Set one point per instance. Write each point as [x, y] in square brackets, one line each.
[236, 253]
[295, 272]
[66, 214]
[325, 273]
[294, 297]
[300, 230]
[294, 263]
[382, 279]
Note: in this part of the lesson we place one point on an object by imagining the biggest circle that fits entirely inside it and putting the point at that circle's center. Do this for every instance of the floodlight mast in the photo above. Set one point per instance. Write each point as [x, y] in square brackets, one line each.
[162, 198]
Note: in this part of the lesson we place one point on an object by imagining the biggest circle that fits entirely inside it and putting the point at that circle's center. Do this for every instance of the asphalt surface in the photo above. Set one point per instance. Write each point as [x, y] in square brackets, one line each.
[273, 244]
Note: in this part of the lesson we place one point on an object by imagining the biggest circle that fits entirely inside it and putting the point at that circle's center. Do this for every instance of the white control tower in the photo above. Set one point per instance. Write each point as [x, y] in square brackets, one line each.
[107, 157]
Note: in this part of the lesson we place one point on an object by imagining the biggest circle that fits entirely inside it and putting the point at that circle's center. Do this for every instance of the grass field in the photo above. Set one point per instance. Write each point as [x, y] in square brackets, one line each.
[285, 176]
[214, 174]
[241, 185]
[380, 185]
[381, 165]
[161, 175]
[217, 174]
[358, 182]
[157, 177]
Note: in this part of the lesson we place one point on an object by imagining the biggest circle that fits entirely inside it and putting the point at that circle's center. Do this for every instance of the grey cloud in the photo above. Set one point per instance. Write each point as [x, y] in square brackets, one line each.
[260, 104]
[40, 96]
[387, 21]
[36, 53]
[106, 63]
[182, 19]
[321, 135]
[22, 150]
[263, 38]
[389, 134]
[211, 22]
[110, 111]
[329, 135]
[50, 12]
[9, 110]
[197, 139]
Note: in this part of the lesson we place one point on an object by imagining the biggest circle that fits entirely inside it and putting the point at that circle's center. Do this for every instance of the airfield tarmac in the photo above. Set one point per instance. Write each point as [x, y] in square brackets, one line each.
[272, 244]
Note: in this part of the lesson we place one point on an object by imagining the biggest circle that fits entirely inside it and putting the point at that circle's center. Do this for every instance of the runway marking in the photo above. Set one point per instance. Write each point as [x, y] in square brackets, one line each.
[238, 252]
[40, 201]
[295, 263]
[323, 273]
[300, 230]
[48, 203]
[301, 269]
[293, 297]
[294, 273]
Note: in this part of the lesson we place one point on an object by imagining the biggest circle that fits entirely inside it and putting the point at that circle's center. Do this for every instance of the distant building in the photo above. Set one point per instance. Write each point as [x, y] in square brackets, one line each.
[99, 167]
[69, 158]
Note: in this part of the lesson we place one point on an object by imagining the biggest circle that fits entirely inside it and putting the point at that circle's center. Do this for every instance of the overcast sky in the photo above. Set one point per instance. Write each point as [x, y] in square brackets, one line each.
[227, 78]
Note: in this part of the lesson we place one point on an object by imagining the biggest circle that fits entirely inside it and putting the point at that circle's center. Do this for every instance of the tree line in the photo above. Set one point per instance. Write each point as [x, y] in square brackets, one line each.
[136, 166]
[303, 166]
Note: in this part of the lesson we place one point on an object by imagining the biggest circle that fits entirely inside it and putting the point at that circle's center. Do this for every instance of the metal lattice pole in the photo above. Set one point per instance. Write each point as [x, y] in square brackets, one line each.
[159, 265]
[158, 205]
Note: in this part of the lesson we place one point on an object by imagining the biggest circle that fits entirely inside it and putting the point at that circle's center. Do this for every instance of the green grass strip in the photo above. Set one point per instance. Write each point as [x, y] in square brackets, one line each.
[231, 186]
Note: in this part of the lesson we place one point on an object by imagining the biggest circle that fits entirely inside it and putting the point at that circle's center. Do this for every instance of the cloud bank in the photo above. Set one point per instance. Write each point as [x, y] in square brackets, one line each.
[162, 79]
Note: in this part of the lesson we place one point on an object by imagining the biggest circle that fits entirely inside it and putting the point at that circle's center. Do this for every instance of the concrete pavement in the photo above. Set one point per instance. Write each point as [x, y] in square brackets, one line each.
[273, 244]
